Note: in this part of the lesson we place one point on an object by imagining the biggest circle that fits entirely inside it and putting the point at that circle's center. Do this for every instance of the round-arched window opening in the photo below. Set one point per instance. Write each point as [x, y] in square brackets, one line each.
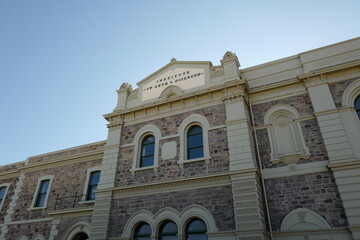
[168, 231]
[196, 230]
[195, 144]
[357, 106]
[80, 236]
[147, 151]
[142, 232]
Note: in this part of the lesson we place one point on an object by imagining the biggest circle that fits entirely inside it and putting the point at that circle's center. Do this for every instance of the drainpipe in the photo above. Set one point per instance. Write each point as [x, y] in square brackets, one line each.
[261, 175]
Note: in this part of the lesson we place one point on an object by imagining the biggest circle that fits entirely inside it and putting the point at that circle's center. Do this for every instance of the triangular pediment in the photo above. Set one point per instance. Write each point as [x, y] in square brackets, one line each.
[184, 75]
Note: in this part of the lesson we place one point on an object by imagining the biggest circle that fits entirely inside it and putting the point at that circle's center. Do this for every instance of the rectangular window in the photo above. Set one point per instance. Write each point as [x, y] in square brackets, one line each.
[93, 183]
[2, 194]
[41, 197]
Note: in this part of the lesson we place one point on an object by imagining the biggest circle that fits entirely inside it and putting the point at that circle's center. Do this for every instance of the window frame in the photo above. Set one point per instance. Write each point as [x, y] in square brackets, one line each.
[186, 124]
[33, 206]
[161, 227]
[87, 181]
[189, 222]
[6, 186]
[138, 226]
[192, 135]
[148, 129]
[357, 111]
[142, 155]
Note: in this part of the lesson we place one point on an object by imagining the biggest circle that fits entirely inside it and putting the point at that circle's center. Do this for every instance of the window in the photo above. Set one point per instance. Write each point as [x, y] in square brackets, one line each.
[142, 232]
[357, 106]
[168, 231]
[2, 194]
[196, 230]
[195, 145]
[92, 186]
[147, 151]
[41, 196]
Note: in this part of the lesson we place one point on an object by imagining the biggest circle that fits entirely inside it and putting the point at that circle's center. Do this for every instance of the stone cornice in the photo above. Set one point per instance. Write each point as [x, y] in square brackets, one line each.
[209, 180]
[94, 155]
[345, 166]
[78, 211]
[181, 99]
[9, 174]
[329, 69]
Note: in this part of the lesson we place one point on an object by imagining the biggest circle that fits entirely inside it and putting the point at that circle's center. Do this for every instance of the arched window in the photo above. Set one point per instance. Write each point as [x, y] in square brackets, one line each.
[357, 106]
[142, 232]
[196, 230]
[195, 145]
[168, 231]
[147, 151]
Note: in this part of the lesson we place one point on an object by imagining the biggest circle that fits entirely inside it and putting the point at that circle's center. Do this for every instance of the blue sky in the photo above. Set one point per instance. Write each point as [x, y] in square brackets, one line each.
[61, 62]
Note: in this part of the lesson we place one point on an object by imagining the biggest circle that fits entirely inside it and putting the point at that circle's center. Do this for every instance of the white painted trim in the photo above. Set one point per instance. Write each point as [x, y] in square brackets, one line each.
[350, 94]
[149, 129]
[40, 179]
[6, 186]
[303, 216]
[38, 237]
[180, 218]
[301, 150]
[193, 119]
[79, 227]
[86, 187]
[293, 170]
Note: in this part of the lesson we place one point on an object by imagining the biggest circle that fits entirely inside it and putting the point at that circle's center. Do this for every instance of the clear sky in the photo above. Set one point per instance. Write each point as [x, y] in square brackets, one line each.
[61, 62]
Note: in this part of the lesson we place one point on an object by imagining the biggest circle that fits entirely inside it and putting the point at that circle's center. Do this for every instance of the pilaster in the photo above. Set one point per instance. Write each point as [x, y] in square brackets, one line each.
[102, 207]
[241, 149]
[248, 205]
[342, 160]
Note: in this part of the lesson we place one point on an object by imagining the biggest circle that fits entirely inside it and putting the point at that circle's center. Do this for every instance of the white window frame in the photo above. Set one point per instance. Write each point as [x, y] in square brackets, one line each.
[7, 186]
[186, 124]
[40, 179]
[86, 187]
[139, 136]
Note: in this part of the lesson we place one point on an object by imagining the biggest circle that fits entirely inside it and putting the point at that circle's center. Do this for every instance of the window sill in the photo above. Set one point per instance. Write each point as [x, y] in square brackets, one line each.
[36, 208]
[133, 170]
[206, 159]
[83, 202]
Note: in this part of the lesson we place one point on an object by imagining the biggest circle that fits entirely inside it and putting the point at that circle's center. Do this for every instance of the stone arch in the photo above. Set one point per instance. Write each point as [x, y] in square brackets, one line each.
[350, 94]
[38, 237]
[302, 219]
[167, 213]
[75, 230]
[285, 134]
[170, 92]
[147, 129]
[197, 211]
[193, 119]
[23, 237]
[135, 219]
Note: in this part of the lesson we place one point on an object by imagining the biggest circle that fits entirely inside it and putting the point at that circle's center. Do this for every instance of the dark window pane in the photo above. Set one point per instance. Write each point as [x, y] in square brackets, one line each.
[196, 230]
[168, 231]
[147, 161]
[195, 141]
[2, 193]
[175, 237]
[147, 151]
[142, 232]
[357, 106]
[195, 153]
[40, 199]
[92, 186]
[195, 130]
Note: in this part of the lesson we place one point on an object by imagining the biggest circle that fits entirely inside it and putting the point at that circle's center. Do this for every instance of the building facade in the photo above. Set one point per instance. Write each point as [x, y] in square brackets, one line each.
[199, 151]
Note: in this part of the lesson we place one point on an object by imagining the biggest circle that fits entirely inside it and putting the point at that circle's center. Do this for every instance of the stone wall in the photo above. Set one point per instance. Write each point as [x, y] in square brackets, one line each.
[8, 197]
[310, 131]
[170, 169]
[68, 180]
[67, 222]
[29, 230]
[337, 90]
[218, 200]
[317, 192]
